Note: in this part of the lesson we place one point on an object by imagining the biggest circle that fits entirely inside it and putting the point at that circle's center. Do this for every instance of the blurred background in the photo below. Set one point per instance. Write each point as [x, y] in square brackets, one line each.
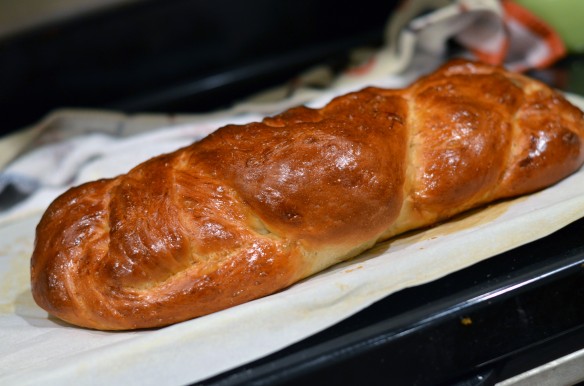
[167, 56]
[189, 56]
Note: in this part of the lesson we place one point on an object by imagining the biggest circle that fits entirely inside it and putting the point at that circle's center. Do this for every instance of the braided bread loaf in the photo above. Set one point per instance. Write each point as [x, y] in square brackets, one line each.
[251, 209]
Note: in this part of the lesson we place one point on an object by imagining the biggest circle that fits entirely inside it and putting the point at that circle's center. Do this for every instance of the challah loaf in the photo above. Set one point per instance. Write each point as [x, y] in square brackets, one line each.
[251, 209]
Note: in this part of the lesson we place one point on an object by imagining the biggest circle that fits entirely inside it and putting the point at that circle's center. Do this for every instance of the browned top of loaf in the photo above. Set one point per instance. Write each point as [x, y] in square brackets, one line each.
[251, 209]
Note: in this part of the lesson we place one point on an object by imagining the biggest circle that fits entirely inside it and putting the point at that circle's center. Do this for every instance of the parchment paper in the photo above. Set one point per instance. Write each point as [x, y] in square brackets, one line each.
[37, 349]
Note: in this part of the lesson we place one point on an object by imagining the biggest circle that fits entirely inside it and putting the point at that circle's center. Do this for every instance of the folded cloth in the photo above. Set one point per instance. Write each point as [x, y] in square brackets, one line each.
[493, 31]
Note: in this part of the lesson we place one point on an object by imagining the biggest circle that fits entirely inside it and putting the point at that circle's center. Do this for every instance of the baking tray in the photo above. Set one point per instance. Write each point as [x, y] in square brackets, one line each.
[477, 326]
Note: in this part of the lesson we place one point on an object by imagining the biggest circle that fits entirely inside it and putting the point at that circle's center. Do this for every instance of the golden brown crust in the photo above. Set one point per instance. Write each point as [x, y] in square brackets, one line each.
[251, 209]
